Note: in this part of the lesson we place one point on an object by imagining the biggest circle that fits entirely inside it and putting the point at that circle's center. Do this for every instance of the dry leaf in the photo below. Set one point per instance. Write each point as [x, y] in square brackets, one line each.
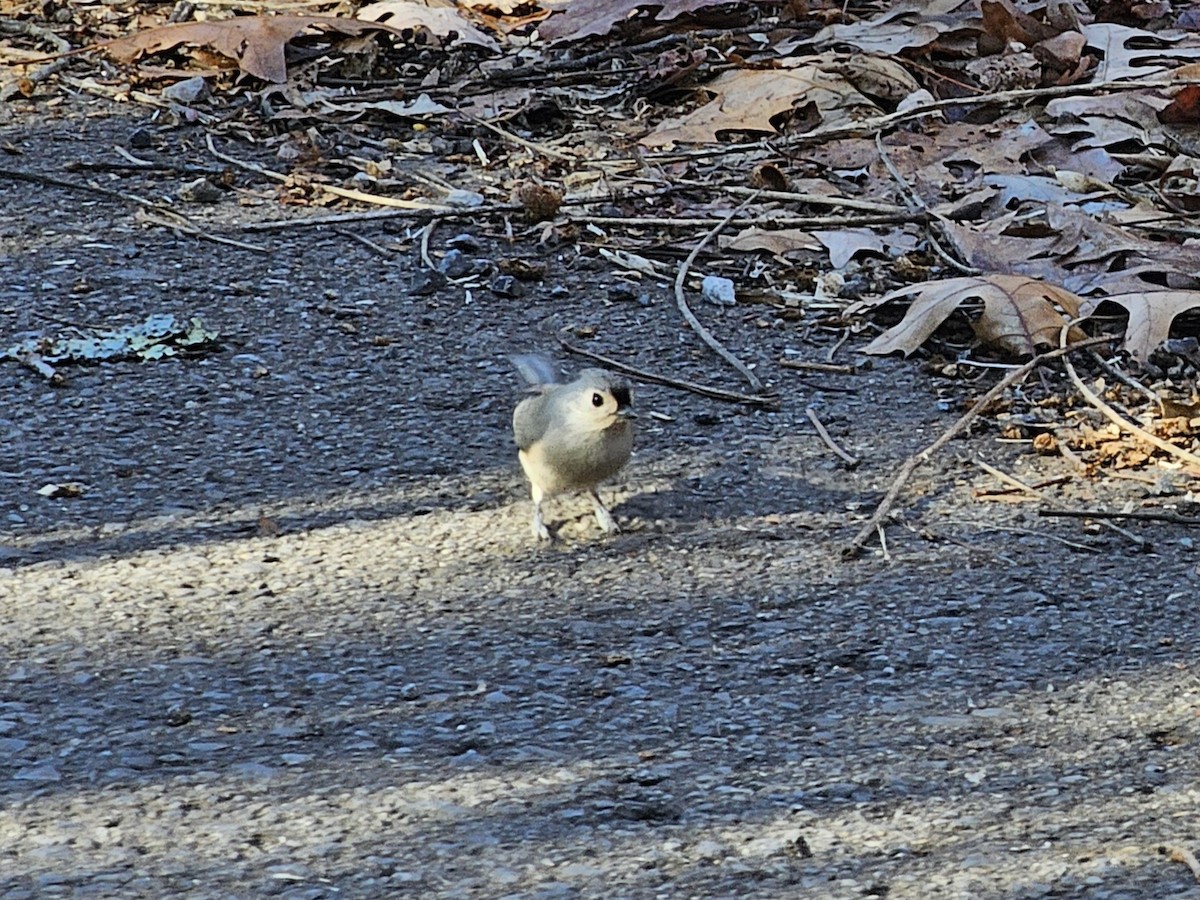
[1184, 108]
[1150, 316]
[580, 20]
[1152, 52]
[1019, 314]
[916, 23]
[1007, 24]
[442, 21]
[255, 42]
[873, 76]
[779, 241]
[747, 100]
[844, 243]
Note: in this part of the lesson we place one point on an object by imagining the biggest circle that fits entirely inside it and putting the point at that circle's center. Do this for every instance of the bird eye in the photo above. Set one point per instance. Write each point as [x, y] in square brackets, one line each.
[597, 400]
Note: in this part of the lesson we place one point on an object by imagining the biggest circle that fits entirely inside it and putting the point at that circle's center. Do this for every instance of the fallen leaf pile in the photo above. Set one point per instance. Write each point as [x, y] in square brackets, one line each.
[1096, 446]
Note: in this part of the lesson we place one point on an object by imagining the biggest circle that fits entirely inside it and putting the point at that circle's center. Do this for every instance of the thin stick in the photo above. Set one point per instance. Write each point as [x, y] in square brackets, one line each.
[1054, 504]
[381, 214]
[819, 200]
[426, 233]
[361, 196]
[154, 213]
[926, 534]
[365, 241]
[1115, 417]
[1006, 492]
[1123, 377]
[39, 178]
[768, 218]
[830, 368]
[917, 204]
[834, 349]
[1182, 855]
[986, 526]
[10, 26]
[520, 141]
[1067, 453]
[850, 461]
[180, 168]
[766, 401]
[1102, 514]
[35, 362]
[10, 90]
[910, 465]
[681, 301]
[177, 222]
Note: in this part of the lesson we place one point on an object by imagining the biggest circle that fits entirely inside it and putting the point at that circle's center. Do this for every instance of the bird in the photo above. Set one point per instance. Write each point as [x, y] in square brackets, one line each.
[571, 436]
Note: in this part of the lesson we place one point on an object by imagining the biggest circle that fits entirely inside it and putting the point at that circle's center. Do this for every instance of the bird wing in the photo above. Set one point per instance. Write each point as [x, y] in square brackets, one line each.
[530, 419]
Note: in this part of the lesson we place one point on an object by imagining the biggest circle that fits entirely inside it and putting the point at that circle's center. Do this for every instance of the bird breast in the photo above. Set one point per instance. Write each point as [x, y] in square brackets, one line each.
[578, 460]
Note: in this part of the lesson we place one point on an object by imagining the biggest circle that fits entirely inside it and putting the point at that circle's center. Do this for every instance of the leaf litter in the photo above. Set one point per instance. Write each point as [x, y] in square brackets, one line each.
[1037, 168]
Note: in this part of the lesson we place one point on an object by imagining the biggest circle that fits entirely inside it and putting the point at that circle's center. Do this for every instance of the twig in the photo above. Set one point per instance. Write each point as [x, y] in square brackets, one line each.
[1067, 453]
[365, 241]
[30, 29]
[1126, 379]
[154, 213]
[911, 464]
[1102, 514]
[178, 222]
[766, 401]
[815, 200]
[768, 218]
[829, 368]
[1005, 492]
[887, 557]
[520, 141]
[930, 535]
[987, 526]
[836, 347]
[1182, 855]
[916, 204]
[54, 181]
[375, 215]
[426, 233]
[35, 362]
[851, 462]
[131, 166]
[1173, 230]
[345, 193]
[1053, 504]
[37, 76]
[681, 301]
[1115, 417]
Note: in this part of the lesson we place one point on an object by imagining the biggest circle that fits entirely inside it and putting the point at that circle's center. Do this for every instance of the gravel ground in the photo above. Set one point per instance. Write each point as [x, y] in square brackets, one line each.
[294, 639]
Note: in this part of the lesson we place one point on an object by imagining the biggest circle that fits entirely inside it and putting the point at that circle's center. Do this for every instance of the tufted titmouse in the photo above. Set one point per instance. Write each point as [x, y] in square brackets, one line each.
[571, 436]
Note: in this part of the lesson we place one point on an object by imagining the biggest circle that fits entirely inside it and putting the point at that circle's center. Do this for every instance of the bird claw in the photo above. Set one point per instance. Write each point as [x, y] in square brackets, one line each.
[538, 527]
[604, 518]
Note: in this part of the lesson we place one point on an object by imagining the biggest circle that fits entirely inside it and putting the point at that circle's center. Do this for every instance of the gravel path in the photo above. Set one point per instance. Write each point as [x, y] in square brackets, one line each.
[294, 638]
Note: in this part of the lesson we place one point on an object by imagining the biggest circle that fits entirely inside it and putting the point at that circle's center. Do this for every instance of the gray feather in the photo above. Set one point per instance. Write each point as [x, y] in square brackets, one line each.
[536, 368]
[530, 419]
